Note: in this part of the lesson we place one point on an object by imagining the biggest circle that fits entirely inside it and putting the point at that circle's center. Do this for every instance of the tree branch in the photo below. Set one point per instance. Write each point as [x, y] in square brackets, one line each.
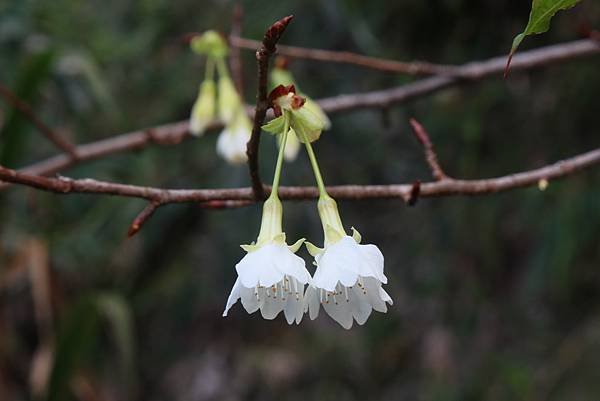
[376, 63]
[142, 218]
[430, 155]
[25, 109]
[264, 52]
[176, 132]
[62, 185]
[469, 72]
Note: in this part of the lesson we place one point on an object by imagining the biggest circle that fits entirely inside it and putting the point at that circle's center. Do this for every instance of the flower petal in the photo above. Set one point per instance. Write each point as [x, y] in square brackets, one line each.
[339, 310]
[233, 296]
[311, 302]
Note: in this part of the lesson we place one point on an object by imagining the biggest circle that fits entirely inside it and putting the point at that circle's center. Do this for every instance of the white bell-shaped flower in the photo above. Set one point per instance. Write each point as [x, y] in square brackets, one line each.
[349, 276]
[231, 144]
[271, 277]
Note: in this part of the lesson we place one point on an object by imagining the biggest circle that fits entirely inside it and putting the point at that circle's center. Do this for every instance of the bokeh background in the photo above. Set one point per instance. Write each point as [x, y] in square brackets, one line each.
[496, 297]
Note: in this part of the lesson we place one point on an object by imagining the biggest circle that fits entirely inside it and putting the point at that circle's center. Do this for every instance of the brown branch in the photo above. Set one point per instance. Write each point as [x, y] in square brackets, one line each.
[143, 217]
[411, 68]
[430, 155]
[469, 72]
[264, 52]
[26, 110]
[176, 132]
[235, 59]
[62, 185]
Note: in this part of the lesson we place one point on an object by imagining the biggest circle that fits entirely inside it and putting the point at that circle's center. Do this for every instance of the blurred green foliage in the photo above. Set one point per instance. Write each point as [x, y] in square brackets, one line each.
[495, 297]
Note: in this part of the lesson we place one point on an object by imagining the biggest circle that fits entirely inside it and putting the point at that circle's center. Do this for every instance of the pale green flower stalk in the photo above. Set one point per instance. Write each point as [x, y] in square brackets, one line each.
[220, 100]
[282, 76]
[349, 276]
[270, 276]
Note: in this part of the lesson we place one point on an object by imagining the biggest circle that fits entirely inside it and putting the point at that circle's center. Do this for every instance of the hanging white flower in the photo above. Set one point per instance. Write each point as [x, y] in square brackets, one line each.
[271, 277]
[348, 279]
[231, 144]
[203, 111]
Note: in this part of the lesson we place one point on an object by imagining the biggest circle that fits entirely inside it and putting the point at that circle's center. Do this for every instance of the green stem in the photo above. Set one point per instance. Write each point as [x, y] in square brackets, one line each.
[222, 68]
[315, 166]
[209, 72]
[275, 187]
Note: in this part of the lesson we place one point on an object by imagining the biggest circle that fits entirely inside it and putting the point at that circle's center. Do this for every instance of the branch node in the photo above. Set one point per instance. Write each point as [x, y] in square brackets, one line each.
[143, 217]
[415, 191]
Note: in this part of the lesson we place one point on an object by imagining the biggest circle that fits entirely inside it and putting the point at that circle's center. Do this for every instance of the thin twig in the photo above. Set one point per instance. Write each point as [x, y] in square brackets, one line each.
[430, 155]
[143, 217]
[376, 63]
[235, 59]
[26, 110]
[176, 132]
[264, 52]
[64, 185]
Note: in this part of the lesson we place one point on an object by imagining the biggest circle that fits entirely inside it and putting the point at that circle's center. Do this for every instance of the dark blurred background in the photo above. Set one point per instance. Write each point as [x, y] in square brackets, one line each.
[496, 297]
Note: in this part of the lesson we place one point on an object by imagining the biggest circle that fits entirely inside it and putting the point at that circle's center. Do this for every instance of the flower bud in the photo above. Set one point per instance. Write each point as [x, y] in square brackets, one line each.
[210, 43]
[203, 111]
[229, 99]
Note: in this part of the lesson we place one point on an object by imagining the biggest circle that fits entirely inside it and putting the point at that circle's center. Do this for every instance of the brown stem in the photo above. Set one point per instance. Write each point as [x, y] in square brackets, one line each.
[430, 155]
[264, 52]
[26, 110]
[64, 185]
[143, 217]
[411, 68]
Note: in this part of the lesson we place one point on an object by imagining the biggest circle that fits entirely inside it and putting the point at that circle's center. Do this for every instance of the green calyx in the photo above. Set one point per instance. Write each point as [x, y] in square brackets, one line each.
[330, 219]
[305, 123]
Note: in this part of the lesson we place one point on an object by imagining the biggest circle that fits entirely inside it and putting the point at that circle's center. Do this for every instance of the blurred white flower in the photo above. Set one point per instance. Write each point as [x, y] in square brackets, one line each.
[231, 144]
[271, 277]
[203, 111]
[349, 276]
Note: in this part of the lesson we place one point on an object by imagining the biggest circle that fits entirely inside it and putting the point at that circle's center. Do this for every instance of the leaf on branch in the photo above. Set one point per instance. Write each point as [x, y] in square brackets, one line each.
[542, 12]
[275, 126]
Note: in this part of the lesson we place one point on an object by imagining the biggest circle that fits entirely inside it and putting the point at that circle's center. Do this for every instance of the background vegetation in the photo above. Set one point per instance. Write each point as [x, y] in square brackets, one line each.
[496, 298]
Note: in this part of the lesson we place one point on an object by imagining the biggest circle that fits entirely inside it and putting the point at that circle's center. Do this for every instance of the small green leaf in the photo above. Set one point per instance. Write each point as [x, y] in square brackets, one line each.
[275, 126]
[542, 12]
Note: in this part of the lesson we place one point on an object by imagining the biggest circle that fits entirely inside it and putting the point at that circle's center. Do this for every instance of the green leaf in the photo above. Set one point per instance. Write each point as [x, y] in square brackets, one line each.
[275, 126]
[542, 12]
